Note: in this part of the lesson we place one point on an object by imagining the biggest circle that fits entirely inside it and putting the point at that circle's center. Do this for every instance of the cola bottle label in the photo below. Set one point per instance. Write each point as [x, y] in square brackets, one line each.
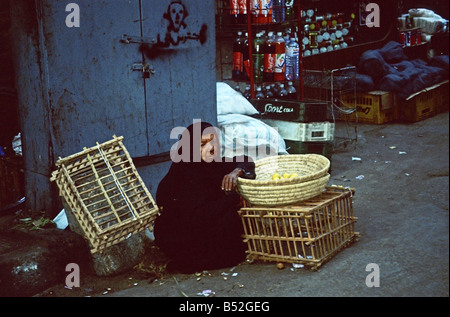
[280, 63]
[269, 63]
[238, 61]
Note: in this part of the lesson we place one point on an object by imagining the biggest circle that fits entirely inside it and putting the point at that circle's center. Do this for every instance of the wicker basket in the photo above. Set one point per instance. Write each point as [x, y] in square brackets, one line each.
[264, 191]
[105, 193]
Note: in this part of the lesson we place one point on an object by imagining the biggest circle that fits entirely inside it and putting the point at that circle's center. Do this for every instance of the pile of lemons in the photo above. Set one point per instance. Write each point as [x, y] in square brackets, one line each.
[285, 175]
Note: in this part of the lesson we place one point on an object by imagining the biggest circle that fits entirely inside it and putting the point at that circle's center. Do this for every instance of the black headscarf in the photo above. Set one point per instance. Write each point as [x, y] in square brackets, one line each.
[199, 227]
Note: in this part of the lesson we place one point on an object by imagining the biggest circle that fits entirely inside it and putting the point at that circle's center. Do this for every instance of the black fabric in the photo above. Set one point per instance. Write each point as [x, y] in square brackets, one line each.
[199, 227]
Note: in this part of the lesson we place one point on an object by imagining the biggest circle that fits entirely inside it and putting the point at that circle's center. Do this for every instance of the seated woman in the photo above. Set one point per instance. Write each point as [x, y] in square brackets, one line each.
[199, 227]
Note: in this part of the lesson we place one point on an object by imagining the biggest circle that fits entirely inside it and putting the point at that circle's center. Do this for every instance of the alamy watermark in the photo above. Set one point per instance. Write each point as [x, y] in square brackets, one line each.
[373, 278]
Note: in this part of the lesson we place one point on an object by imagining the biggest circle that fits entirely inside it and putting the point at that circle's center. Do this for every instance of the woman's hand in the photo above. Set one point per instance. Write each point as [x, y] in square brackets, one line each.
[229, 181]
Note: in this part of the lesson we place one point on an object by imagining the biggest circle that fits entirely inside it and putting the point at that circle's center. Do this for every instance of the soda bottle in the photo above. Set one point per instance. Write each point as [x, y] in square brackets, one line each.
[282, 92]
[266, 11]
[280, 56]
[238, 58]
[246, 56]
[247, 93]
[268, 93]
[234, 11]
[269, 58]
[258, 58]
[256, 11]
[290, 12]
[291, 91]
[292, 59]
[242, 18]
[278, 14]
[259, 94]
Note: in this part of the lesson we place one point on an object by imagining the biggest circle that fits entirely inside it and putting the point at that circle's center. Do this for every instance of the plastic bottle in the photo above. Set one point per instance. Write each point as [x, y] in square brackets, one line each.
[283, 92]
[238, 58]
[242, 18]
[238, 88]
[234, 11]
[256, 11]
[290, 11]
[246, 57]
[258, 58]
[247, 93]
[269, 58]
[292, 60]
[278, 14]
[266, 11]
[259, 94]
[291, 91]
[280, 54]
[268, 93]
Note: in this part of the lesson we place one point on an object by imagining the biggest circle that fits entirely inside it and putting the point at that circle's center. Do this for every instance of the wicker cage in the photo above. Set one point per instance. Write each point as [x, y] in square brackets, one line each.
[105, 193]
[308, 233]
[312, 171]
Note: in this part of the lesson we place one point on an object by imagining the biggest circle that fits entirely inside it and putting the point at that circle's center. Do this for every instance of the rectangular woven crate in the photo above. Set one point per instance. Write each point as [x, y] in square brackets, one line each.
[308, 233]
[104, 191]
[305, 132]
[376, 107]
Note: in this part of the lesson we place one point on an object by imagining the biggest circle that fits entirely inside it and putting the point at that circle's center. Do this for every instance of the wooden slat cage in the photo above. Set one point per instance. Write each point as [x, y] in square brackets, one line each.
[308, 233]
[105, 193]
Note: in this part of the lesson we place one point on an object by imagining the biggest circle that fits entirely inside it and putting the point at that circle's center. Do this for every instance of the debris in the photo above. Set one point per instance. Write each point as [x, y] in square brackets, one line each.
[393, 147]
[354, 158]
[360, 177]
[207, 293]
[407, 174]
[401, 152]
[387, 162]
[61, 220]
[280, 265]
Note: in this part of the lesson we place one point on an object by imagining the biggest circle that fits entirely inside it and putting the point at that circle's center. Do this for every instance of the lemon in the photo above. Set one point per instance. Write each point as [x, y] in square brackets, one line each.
[286, 175]
[294, 175]
[276, 176]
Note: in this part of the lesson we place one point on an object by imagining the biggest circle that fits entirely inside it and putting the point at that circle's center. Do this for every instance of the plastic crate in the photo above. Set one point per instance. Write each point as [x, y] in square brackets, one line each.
[308, 233]
[296, 111]
[105, 194]
[376, 107]
[305, 132]
[322, 148]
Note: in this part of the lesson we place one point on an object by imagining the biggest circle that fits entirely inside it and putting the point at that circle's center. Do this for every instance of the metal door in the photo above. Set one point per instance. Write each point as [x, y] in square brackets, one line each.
[82, 84]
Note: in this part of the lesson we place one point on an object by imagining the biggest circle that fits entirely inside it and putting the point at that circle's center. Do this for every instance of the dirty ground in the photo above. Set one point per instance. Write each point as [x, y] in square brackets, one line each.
[402, 205]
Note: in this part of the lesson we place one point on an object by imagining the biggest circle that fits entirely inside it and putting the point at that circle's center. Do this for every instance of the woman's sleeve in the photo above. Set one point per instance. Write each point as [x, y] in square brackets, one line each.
[246, 164]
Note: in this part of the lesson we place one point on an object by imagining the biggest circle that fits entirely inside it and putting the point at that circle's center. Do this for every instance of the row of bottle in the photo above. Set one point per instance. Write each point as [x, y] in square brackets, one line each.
[275, 58]
[271, 91]
[262, 11]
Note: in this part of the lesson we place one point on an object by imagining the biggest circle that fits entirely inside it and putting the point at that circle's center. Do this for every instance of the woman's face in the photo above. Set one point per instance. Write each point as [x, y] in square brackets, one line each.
[207, 146]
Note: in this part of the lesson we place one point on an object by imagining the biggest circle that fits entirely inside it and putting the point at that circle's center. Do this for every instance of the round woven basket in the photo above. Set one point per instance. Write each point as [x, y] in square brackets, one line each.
[263, 191]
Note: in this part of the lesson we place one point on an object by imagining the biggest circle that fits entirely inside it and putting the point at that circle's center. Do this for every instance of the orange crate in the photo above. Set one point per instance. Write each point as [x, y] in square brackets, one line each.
[308, 233]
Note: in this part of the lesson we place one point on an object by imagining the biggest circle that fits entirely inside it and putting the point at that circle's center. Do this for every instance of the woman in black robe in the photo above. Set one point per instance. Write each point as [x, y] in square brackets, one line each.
[199, 227]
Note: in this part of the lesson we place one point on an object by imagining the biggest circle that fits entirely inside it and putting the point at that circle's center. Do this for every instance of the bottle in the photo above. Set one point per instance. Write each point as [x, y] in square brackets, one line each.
[290, 11]
[282, 94]
[238, 58]
[258, 58]
[266, 11]
[280, 56]
[292, 60]
[256, 11]
[268, 93]
[234, 11]
[246, 57]
[259, 94]
[247, 93]
[278, 14]
[291, 91]
[269, 58]
[238, 88]
[242, 18]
